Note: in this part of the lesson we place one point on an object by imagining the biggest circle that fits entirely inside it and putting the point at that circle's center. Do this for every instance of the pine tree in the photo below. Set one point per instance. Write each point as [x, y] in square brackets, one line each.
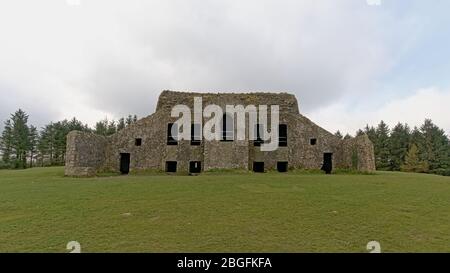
[20, 133]
[412, 161]
[6, 143]
[371, 133]
[435, 146]
[33, 140]
[53, 138]
[338, 134]
[416, 137]
[76, 125]
[381, 146]
[129, 120]
[347, 136]
[360, 133]
[61, 129]
[112, 129]
[121, 124]
[46, 145]
[101, 127]
[448, 156]
[398, 145]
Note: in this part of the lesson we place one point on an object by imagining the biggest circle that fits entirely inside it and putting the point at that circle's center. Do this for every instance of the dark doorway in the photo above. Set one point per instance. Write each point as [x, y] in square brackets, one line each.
[171, 166]
[124, 163]
[327, 163]
[258, 167]
[195, 167]
[282, 167]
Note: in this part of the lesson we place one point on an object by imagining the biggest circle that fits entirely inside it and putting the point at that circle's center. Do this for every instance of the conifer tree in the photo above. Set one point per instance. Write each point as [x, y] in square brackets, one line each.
[371, 133]
[101, 127]
[6, 143]
[347, 136]
[129, 120]
[398, 145]
[33, 140]
[121, 124]
[435, 146]
[20, 141]
[360, 132]
[381, 146]
[112, 129]
[412, 161]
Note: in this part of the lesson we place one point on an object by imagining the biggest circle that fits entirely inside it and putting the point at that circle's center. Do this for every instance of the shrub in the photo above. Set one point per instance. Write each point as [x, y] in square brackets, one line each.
[444, 172]
[4, 165]
[413, 162]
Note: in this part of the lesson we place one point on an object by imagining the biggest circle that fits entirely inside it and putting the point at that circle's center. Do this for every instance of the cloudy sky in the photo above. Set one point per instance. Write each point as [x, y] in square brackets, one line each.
[349, 63]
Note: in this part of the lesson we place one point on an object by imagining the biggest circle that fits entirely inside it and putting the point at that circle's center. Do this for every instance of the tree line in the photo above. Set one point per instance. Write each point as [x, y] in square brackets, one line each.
[23, 145]
[424, 149]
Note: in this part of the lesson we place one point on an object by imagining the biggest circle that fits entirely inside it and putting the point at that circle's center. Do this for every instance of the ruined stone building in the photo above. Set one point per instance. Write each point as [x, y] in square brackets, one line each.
[148, 144]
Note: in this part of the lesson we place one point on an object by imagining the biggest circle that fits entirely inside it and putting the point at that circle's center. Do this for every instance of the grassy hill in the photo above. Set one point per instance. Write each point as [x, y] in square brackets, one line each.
[41, 210]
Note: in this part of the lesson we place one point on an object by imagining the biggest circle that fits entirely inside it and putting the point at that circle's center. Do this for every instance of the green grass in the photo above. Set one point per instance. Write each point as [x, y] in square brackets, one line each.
[41, 210]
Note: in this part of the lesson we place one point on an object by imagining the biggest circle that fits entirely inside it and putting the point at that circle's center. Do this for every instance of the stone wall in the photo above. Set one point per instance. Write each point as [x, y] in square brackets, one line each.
[226, 155]
[302, 154]
[152, 131]
[358, 153]
[286, 101]
[85, 153]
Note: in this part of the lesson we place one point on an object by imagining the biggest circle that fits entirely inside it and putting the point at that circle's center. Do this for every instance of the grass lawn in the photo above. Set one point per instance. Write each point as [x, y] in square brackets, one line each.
[41, 210]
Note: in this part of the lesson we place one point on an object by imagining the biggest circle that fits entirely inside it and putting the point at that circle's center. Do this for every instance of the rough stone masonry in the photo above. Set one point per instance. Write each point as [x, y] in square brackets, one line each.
[148, 144]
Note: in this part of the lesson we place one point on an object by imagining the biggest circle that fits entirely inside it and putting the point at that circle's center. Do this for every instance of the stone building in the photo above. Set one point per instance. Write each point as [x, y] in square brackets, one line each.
[148, 144]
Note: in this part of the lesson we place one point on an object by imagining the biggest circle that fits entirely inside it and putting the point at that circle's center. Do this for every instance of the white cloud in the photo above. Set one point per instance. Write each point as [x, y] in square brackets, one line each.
[424, 103]
[114, 57]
